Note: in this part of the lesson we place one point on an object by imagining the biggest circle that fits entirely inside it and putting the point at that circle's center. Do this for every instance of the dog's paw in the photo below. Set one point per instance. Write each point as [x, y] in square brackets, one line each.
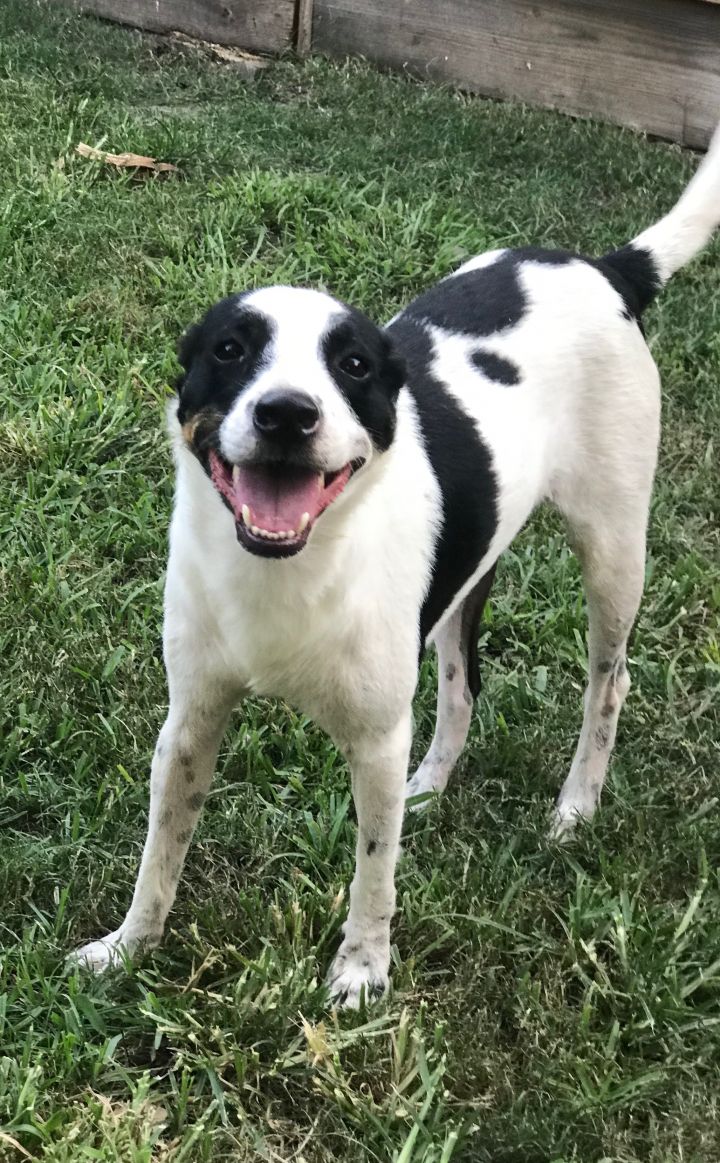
[569, 814]
[421, 789]
[566, 818]
[561, 827]
[358, 976]
[108, 953]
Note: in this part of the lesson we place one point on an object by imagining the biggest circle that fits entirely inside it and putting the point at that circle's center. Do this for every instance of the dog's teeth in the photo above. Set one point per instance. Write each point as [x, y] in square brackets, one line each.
[245, 512]
[268, 534]
[303, 522]
[236, 473]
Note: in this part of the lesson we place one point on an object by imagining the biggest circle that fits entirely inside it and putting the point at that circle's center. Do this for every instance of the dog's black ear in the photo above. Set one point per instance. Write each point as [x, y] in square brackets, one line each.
[186, 352]
[188, 345]
[394, 368]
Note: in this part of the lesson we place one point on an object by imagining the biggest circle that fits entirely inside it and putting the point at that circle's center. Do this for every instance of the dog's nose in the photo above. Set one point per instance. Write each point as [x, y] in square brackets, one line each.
[284, 414]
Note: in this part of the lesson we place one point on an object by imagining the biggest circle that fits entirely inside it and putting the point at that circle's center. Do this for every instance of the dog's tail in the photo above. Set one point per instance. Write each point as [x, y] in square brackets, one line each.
[649, 260]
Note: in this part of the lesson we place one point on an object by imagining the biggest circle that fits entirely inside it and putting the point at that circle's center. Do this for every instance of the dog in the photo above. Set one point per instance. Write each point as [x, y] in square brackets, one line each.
[343, 495]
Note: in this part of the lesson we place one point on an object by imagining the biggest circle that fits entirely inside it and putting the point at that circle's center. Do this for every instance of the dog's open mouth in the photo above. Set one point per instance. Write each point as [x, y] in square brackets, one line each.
[276, 505]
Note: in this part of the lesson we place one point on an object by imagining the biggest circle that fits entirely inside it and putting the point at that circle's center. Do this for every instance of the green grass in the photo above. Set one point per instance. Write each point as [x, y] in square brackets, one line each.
[548, 1005]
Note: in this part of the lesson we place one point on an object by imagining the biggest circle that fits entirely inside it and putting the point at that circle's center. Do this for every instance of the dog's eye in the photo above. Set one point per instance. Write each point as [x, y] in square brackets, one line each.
[355, 367]
[228, 350]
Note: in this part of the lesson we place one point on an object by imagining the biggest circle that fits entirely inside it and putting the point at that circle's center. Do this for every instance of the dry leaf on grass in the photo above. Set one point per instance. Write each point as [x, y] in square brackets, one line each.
[14, 1143]
[127, 161]
[318, 1047]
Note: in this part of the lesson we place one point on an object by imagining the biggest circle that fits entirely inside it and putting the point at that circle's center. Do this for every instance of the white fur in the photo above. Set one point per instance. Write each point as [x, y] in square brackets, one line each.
[334, 629]
[678, 237]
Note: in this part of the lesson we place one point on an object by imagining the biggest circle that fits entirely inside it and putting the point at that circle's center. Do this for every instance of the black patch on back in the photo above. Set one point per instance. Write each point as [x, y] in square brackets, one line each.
[496, 367]
[634, 275]
[209, 382]
[479, 302]
[472, 609]
[374, 398]
[462, 464]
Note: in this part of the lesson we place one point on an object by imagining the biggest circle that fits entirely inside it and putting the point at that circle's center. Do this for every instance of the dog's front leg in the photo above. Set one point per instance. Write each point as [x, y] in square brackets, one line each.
[378, 764]
[181, 772]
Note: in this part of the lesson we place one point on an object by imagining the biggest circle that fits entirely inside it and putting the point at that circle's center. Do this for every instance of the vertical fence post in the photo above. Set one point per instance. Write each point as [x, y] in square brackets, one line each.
[303, 41]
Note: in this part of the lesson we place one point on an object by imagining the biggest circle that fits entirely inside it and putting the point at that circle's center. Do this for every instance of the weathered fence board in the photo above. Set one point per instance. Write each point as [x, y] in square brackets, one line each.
[258, 25]
[652, 64]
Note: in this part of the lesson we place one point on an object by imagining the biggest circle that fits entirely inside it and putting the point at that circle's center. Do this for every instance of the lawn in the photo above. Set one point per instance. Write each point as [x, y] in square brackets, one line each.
[548, 1004]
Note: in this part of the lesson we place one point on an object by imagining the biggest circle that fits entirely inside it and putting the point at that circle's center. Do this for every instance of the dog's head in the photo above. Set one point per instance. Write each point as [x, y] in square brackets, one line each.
[285, 396]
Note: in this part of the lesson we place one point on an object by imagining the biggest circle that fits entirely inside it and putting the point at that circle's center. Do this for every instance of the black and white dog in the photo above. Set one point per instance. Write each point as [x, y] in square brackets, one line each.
[343, 494]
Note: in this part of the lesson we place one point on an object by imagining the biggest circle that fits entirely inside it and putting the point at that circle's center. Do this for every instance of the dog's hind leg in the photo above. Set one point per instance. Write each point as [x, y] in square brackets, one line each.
[458, 686]
[613, 564]
[181, 773]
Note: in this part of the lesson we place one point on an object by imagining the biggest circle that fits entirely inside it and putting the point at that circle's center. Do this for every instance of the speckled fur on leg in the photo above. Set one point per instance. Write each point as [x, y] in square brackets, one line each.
[181, 773]
[458, 686]
[360, 968]
[613, 569]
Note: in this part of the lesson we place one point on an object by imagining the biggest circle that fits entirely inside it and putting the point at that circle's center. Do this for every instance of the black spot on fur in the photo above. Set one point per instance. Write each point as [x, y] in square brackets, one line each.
[618, 669]
[196, 801]
[373, 397]
[606, 666]
[634, 275]
[495, 367]
[185, 761]
[371, 848]
[450, 671]
[165, 818]
[184, 836]
[458, 455]
[602, 735]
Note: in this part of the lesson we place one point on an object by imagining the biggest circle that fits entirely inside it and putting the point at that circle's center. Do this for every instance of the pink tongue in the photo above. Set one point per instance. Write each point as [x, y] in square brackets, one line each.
[277, 498]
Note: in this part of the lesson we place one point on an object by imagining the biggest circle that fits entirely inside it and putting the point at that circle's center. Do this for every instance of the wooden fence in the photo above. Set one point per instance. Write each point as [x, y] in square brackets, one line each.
[652, 64]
